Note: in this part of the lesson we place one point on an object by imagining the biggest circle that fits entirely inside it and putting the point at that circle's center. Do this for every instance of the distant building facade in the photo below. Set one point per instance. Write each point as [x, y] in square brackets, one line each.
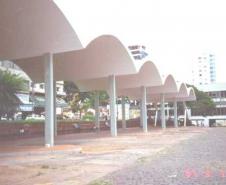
[217, 92]
[37, 87]
[204, 70]
[34, 99]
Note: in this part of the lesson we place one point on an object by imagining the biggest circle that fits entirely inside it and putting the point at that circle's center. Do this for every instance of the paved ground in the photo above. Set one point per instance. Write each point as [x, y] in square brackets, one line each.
[199, 160]
[157, 157]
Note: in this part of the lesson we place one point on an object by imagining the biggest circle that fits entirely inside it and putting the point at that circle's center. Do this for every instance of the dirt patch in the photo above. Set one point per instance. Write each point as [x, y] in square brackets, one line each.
[81, 158]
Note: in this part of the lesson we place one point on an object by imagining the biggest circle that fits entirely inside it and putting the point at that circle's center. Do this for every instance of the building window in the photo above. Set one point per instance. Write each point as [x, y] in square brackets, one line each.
[223, 94]
[41, 86]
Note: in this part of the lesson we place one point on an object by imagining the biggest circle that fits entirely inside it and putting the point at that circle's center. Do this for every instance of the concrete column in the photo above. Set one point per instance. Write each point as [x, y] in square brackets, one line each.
[156, 114]
[117, 117]
[123, 113]
[55, 116]
[112, 94]
[33, 95]
[185, 114]
[49, 100]
[144, 109]
[163, 118]
[97, 112]
[167, 111]
[141, 121]
[175, 113]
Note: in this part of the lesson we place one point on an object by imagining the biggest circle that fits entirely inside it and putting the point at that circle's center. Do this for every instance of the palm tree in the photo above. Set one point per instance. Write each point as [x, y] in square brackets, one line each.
[10, 84]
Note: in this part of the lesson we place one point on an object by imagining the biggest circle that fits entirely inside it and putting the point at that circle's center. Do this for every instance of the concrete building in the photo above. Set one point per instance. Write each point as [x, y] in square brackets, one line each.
[33, 101]
[36, 87]
[217, 92]
[204, 70]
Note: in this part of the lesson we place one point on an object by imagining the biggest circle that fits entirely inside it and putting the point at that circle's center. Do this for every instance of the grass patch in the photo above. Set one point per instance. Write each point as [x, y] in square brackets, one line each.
[142, 160]
[44, 166]
[22, 122]
[100, 182]
[39, 174]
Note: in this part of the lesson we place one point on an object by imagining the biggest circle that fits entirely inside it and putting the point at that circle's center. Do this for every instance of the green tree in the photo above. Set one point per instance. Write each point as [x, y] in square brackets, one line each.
[10, 84]
[104, 98]
[204, 104]
[81, 101]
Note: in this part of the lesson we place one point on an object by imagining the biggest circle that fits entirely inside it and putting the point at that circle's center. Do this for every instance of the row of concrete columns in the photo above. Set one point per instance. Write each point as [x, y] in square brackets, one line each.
[112, 94]
[144, 109]
[97, 112]
[123, 113]
[163, 121]
[49, 100]
[143, 112]
[50, 106]
[163, 116]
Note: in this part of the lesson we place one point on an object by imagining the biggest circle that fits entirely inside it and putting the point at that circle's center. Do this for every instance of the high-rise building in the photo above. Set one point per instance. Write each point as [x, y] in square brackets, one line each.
[204, 70]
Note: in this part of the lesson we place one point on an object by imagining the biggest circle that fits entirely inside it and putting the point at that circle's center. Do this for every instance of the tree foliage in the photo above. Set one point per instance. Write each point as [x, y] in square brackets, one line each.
[10, 84]
[82, 101]
[204, 104]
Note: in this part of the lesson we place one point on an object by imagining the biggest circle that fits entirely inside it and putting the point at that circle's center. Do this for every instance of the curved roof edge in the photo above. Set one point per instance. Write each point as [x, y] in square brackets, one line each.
[103, 56]
[31, 28]
[169, 86]
[148, 75]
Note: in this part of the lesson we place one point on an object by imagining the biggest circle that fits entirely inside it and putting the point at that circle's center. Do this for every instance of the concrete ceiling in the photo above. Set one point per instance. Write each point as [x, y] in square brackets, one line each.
[148, 75]
[32, 28]
[29, 29]
[104, 56]
[169, 86]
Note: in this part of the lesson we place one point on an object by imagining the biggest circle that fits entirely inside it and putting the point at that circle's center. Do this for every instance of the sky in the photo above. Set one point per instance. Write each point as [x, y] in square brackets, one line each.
[175, 32]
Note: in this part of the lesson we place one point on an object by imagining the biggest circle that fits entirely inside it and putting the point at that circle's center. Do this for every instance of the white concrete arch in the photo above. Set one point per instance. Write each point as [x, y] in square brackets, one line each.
[32, 28]
[183, 91]
[148, 75]
[180, 91]
[102, 57]
[191, 95]
[170, 86]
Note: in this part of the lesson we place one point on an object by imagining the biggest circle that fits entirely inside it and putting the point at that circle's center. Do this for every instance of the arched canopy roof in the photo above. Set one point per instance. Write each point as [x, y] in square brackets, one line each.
[185, 94]
[169, 86]
[191, 95]
[104, 56]
[148, 75]
[31, 28]
[181, 93]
